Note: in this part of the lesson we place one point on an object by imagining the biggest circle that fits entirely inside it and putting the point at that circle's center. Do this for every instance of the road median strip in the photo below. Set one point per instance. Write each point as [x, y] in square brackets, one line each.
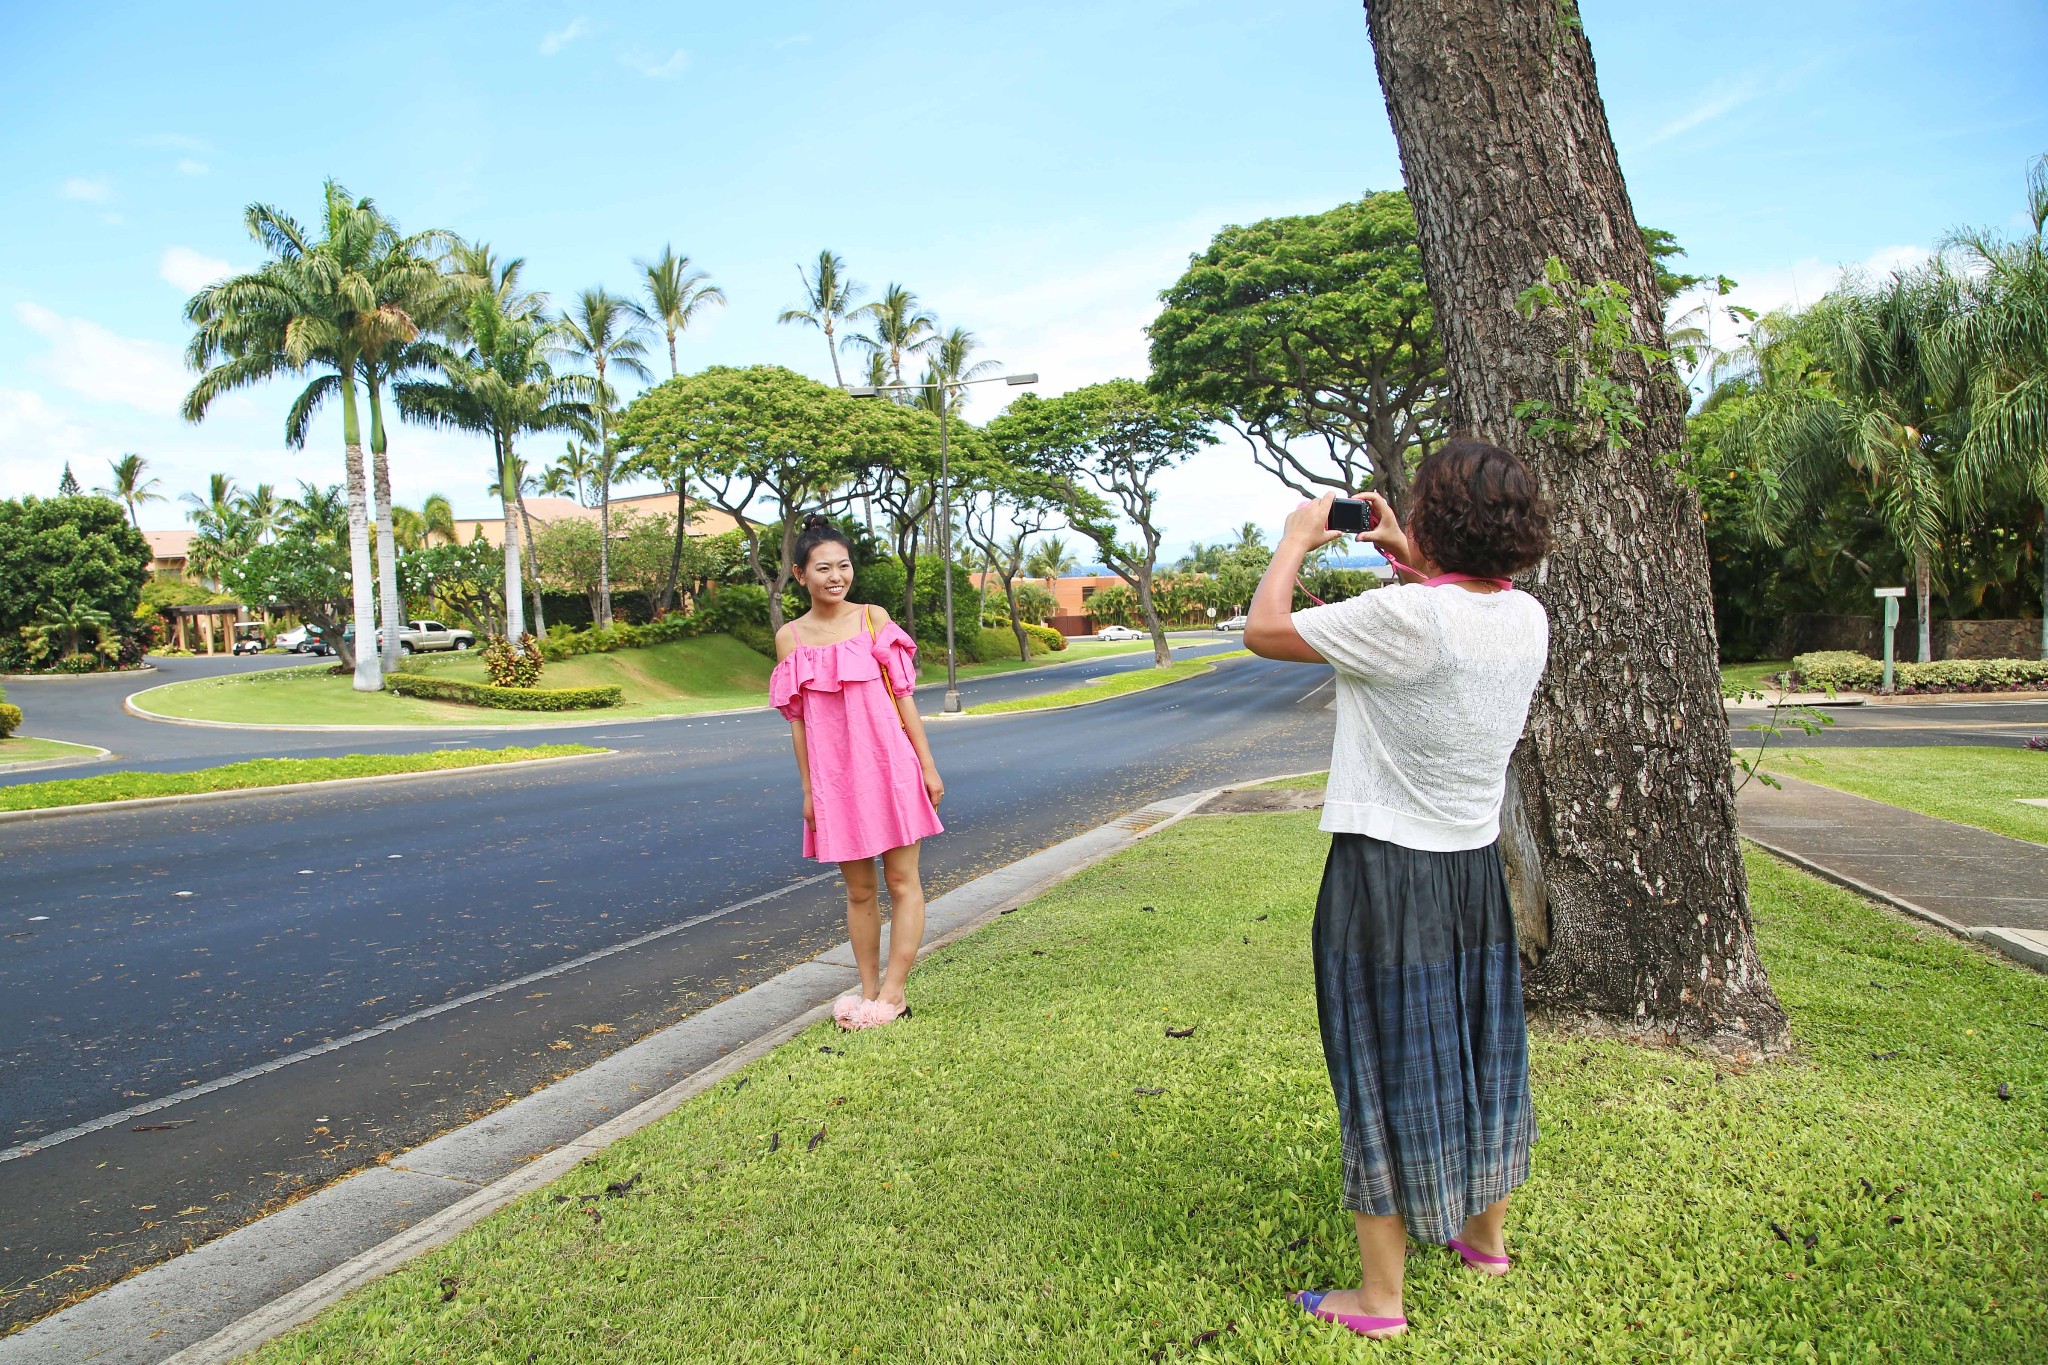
[261, 776]
[1113, 685]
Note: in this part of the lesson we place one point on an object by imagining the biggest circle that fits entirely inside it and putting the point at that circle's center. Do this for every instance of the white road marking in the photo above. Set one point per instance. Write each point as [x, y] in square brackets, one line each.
[336, 1044]
[1313, 690]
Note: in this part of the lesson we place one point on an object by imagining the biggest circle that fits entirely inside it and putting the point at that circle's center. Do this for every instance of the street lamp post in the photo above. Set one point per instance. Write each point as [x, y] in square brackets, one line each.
[945, 388]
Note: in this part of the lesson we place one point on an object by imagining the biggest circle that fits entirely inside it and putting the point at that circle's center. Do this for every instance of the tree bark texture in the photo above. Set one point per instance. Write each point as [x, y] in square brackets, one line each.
[1624, 769]
[369, 675]
[390, 608]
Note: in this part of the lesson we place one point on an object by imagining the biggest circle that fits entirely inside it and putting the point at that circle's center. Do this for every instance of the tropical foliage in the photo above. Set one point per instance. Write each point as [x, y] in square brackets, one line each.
[71, 574]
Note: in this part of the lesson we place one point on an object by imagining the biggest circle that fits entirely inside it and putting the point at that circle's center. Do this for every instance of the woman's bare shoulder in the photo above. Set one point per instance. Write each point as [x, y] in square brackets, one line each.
[786, 640]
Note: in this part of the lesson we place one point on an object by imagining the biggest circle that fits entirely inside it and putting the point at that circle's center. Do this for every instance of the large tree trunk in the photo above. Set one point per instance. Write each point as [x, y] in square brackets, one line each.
[675, 559]
[1923, 597]
[515, 580]
[540, 619]
[1624, 770]
[1148, 612]
[604, 514]
[391, 610]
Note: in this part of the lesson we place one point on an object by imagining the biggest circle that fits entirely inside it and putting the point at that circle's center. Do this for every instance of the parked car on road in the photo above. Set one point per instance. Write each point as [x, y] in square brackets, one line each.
[426, 636]
[1118, 633]
[304, 640]
[1234, 623]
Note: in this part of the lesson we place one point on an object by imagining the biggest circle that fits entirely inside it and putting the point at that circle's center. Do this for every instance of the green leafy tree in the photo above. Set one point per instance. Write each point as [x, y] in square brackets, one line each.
[1102, 449]
[131, 485]
[502, 384]
[318, 514]
[314, 306]
[601, 331]
[67, 486]
[79, 552]
[1003, 508]
[831, 298]
[1313, 337]
[468, 581]
[1050, 558]
[1996, 343]
[760, 435]
[295, 575]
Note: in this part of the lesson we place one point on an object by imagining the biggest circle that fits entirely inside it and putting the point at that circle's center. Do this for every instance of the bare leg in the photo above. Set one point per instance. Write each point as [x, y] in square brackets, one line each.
[906, 920]
[864, 923]
[1382, 1253]
[1485, 1232]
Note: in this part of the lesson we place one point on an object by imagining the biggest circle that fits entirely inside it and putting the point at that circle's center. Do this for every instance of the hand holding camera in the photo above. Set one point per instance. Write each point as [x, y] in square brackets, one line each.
[1369, 517]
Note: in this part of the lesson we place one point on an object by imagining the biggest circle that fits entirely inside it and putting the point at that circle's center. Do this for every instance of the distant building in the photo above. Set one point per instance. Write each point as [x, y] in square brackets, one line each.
[704, 521]
[168, 552]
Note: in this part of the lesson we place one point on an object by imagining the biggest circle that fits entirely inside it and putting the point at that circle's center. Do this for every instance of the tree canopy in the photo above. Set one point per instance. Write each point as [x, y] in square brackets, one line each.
[1313, 336]
[68, 553]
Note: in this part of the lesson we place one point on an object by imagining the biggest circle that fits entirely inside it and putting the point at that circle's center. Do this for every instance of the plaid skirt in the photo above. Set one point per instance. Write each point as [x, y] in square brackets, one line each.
[1419, 992]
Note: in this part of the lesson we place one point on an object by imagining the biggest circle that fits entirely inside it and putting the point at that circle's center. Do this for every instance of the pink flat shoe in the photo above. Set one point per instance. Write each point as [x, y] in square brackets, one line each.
[1479, 1260]
[1310, 1301]
[847, 1008]
[878, 1013]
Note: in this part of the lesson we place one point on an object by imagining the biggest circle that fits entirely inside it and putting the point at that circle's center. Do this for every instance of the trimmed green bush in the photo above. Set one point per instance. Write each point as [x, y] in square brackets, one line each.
[563, 643]
[10, 718]
[509, 667]
[1045, 639]
[431, 688]
[1840, 670]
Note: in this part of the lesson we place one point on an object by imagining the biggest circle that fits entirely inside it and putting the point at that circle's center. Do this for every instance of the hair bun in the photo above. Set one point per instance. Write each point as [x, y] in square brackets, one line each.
[816, 521]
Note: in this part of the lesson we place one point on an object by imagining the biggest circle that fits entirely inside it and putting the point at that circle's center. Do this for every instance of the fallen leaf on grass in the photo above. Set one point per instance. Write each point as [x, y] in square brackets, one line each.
[1147, 909]
[1882, 1056]
[775, 1142]
[1895, 1220]
[1182, 1032]
[449, 1284]
[1810, 1240]
[619, 1187]
[816, 1138]
[1011, 911]
[1149, 1090]
[740, 1084]
[1297, 1244]
[1256, 918]
[830, 1051]
[1038, 952]
[1781, 1234]
[2004, 1091]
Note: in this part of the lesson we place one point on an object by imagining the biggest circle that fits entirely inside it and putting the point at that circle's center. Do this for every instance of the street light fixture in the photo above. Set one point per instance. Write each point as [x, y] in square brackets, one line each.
[952, 703]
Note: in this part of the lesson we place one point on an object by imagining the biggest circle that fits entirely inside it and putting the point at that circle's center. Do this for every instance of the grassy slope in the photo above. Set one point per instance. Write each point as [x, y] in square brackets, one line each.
[992, 1185]
[1753, 677]
[1970, 785]
[263, 772]
[1113, 685]
[22, 749]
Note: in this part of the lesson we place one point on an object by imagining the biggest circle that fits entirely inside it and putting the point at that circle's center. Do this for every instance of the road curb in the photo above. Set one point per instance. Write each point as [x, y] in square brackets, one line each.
[171, 1313]
[327, 784]
[6, 678]
[1089, 701]
[39, 764]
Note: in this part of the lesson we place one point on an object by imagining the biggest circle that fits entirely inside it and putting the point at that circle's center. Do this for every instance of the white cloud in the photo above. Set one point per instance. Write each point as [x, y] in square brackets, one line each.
[37, 440]
[1805, 280]
[1721, 99]
[87, 189]
[674, 65]
[187, 166]
[563, 36]
[190, 271]
[103, 365]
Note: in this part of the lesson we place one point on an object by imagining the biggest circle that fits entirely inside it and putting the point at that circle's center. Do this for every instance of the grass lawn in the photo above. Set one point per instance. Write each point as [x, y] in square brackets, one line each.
[1752, 677]
[1970, 785]
[706, 674]
[931, 663]
[1307, 782]
[21, 749]
[1032, 1171]
[1115, 685]
[263, 772]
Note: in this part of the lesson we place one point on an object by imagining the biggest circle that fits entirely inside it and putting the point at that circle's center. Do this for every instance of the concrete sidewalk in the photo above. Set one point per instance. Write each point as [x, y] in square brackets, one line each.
[1969, 881]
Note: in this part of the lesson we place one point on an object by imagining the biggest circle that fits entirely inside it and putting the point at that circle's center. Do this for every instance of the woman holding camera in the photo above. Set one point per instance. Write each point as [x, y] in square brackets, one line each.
[1418, 981]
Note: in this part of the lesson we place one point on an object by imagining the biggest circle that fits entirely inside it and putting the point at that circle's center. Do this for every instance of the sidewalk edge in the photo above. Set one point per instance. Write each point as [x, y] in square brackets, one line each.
[300, 1305]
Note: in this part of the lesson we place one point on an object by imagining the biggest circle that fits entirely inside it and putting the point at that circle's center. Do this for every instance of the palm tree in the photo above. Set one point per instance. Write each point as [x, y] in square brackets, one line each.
[675, 295]
[475, 267]
[319, 514]
[223, 531]
[313, 306]
[577, 468]
[1050, 558]
[218, 502]
[437, 518]
[503, 385]
[131, 486]
[897, 327]
[951, 362]
[829, 298]
[603, 332]
[1870, 409]
[1997, 343]
[1250, 539]
[555, 482]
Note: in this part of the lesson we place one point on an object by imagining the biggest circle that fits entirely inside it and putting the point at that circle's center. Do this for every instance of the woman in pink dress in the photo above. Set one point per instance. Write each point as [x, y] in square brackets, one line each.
[844, 675]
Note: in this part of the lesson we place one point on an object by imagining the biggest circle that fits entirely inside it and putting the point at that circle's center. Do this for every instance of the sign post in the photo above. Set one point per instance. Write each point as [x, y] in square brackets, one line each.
[1891, 598]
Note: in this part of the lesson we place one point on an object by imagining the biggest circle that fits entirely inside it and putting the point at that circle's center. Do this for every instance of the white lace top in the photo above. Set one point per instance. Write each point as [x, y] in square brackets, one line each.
[1433, 688]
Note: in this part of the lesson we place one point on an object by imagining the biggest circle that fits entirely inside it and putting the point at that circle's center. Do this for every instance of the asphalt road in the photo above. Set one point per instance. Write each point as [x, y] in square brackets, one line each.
[312, 917]
[1900, 724]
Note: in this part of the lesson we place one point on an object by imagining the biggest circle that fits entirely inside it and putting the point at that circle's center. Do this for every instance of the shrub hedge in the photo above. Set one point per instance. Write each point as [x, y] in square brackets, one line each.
[10, 716]
[503, 698]
[564, 643]
[1840, 670]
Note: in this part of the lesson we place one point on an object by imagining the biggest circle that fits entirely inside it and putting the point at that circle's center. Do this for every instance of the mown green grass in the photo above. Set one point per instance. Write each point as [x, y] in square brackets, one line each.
[710, 669]
[1306, 782]
[993, 1185]
[1114, 685]
[21, 749]
[1752, 677]
[931, 663]
[1971, 785]
[263, 772]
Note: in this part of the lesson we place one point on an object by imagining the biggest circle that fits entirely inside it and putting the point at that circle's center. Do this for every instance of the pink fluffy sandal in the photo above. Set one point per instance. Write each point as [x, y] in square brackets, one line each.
[846, 1009]
[878, 1013]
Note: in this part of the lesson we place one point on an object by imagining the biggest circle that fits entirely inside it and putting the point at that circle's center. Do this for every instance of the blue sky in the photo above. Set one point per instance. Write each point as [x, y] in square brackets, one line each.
[1037, 172]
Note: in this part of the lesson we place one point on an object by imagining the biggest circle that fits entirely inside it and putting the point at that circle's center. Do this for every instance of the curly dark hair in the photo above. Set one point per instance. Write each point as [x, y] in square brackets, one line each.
[818, 530]
[1476, 511]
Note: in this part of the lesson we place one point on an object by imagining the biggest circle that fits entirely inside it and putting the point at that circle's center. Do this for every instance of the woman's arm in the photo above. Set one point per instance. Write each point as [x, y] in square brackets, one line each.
[913, 724]
[785, 641]
[1270, 632]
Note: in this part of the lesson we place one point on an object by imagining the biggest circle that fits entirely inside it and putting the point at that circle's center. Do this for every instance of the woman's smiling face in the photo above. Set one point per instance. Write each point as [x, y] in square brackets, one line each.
[828, 575]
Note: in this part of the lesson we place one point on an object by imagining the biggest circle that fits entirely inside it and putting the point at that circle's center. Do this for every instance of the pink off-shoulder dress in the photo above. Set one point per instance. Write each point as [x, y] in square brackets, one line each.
[867, 787]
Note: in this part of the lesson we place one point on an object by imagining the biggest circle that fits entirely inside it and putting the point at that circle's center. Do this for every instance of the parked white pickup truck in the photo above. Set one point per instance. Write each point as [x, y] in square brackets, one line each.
[426, 636]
